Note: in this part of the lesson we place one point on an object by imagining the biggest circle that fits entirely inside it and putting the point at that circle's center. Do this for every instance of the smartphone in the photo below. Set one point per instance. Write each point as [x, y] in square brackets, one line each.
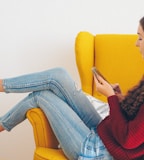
[96, 72]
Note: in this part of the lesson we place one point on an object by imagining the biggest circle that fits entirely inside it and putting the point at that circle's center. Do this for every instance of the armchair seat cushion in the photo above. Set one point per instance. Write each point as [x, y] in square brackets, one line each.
[42, 153]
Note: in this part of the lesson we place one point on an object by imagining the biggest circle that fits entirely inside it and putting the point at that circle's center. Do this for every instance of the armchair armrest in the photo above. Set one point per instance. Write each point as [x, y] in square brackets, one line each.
[43, 134]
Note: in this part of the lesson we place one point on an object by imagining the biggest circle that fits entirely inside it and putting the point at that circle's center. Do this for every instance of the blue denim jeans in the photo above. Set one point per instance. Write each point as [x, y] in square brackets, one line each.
[67, 108]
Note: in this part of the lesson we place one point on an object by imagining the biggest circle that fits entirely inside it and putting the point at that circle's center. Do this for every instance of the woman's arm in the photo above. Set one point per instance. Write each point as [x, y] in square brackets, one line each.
[130, 134]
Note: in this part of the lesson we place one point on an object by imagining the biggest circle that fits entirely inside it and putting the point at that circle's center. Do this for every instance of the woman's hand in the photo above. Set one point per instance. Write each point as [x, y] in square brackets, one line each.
[103, 86]
[117, 91]
[116, 88]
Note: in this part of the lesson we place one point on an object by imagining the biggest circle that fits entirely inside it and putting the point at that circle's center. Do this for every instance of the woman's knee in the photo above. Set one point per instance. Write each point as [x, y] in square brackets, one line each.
[62, 75]
[61, 71]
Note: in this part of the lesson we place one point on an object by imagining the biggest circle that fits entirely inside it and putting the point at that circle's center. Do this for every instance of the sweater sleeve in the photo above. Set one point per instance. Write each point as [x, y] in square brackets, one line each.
[130, 134]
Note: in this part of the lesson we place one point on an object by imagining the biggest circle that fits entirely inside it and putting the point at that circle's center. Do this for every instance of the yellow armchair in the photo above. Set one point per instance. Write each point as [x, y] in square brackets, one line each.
[115, 55]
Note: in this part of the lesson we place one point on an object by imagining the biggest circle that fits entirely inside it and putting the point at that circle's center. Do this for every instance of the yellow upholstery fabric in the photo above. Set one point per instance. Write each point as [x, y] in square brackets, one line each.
[41, 127]
[115, 55]
[45, 141]
[49, 154]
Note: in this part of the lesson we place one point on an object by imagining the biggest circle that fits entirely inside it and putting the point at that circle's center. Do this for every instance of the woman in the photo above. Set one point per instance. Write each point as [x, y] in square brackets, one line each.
[80, 130]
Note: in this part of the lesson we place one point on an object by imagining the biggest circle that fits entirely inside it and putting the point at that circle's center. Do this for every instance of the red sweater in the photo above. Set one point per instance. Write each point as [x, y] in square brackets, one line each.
[123, 139]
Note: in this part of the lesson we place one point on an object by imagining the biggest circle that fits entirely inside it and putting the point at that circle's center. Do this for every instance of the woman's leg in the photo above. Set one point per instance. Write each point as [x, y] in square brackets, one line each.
[69, 129]
[61, 84]
[75, 138]
[17, 114]
[67, 126]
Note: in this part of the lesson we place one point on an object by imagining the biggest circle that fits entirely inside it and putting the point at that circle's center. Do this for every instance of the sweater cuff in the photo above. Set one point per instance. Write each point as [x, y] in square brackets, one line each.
[113, 99]
[114, 104]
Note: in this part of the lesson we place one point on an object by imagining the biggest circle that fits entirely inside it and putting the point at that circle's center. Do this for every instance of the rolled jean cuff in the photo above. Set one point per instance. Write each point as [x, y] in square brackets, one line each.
[5, 128]
[90, 158]
[85, 158]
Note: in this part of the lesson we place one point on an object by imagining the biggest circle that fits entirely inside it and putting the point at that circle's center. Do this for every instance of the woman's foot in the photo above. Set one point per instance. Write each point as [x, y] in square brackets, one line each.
[1, 128]
[1, 86]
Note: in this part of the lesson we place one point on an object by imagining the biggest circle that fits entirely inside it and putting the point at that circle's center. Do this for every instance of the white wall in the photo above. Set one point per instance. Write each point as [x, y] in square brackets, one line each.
[39, 34]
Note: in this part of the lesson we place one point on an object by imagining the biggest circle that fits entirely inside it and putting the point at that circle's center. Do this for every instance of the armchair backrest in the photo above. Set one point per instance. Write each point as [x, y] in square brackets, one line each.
[115, 55]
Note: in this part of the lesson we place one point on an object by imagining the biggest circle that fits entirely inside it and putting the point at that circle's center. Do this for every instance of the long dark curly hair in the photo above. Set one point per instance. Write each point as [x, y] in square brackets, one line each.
[134, 99]
[132, 102]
